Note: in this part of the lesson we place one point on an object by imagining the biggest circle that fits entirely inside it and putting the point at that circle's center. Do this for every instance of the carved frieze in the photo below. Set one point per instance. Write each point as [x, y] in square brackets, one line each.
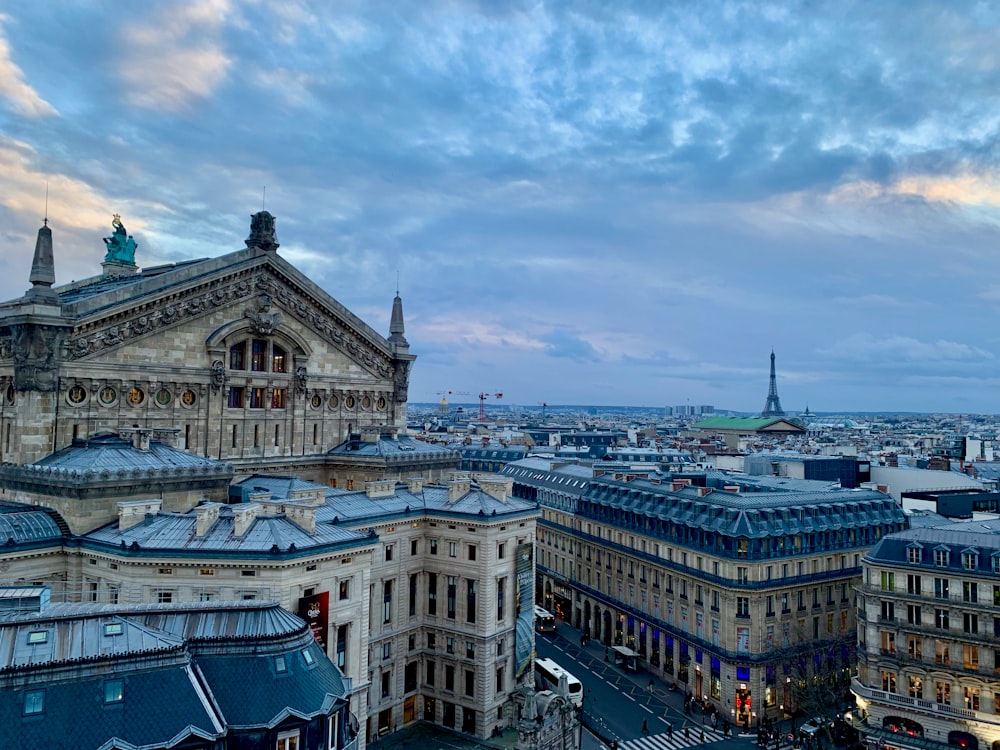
[182, 307]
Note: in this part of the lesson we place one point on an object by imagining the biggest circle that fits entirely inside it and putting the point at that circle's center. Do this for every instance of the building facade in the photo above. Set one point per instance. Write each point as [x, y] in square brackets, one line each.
[929, 638]
[740, 594]
[242, 354]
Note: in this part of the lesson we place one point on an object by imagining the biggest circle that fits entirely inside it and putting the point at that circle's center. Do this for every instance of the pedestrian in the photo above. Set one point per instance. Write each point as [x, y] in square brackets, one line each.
[670, 731]
[645, 728]
[687, 732]
[701, 736]
[650, 686]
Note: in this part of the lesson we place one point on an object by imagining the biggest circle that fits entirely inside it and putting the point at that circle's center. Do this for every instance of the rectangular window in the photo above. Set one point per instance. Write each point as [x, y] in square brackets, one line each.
[942, 693]
[913, 585]
[386, 684]
[470, 600]
[413, 595]
[387, 602]
[888, 580]
[472, 552]
[972, 698]
[970, 592]
[501, 550]
[258, 351]
[257, 398]
[941, 588]
[501, 586]
[470, 650]
[278, 398]
[942, 652]
[742, 606]
[387, 650]
[452, 549]
[345, 590]
[970, 656]
[388, 553]
[970, 560]
[888, 681]
[34, 703]
[914, 647]
[452, 596]
[413, 547]
[235, 400]
[449, 678]
[434, 546]
[970, 623]
[913, 614]
[470, 683]
[941, 619]
[449, 645]
[888, 610]
[429, 671]
[916, 686]
[941, 558]
[238, 356]
[432, 585]
[913, 555]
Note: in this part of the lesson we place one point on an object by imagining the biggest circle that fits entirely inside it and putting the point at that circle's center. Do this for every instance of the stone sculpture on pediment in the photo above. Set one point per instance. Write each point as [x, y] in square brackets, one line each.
[262, 320]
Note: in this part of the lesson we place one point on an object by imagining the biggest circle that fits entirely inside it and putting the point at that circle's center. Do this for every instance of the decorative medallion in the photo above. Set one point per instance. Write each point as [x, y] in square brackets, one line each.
[135, 396]
[188, 398]
[366, 402]
[10, 395]
[316, 401]
[77, 395]
[349, 402]
[380, 404]
[108, 395]
[163, 397]
[334, 401]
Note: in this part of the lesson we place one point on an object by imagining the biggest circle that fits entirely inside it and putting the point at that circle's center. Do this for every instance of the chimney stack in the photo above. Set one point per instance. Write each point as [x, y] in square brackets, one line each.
[206, 515]
[244, 515]
[133, 512]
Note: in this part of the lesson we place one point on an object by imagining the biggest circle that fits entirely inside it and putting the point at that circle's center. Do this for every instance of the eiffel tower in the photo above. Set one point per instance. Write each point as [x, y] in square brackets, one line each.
[772, 407]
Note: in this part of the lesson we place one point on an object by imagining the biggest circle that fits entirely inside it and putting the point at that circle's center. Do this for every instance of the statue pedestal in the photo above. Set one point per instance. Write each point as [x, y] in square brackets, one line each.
[115, 268]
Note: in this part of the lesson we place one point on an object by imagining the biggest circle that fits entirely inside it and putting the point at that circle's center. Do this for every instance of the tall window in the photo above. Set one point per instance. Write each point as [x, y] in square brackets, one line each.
[238, 356]
[413, 595]
[387, 602]
[970, 591]
[277, 358]
[258, 352]
[432, 594]
[470, 600]
[452, 593]
[501, 585]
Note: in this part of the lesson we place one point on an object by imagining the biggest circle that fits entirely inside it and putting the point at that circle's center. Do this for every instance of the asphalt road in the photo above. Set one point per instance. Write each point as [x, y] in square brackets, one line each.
[623, 706]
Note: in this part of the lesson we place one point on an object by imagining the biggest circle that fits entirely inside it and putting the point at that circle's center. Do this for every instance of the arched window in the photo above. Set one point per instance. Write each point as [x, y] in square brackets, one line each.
[963, 740]
[903, 726]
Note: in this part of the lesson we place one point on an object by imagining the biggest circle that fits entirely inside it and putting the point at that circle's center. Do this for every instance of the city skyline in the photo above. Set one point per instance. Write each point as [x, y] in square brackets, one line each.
[582, 204]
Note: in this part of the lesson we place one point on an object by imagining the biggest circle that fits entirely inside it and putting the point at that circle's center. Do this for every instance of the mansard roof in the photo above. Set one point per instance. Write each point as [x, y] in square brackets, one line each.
[980, 537]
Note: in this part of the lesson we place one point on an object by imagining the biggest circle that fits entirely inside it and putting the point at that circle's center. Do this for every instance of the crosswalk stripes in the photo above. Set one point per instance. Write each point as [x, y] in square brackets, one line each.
[663, 740]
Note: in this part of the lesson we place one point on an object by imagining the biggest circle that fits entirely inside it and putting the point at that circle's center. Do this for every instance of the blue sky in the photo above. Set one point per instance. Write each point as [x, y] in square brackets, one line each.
[586, 202]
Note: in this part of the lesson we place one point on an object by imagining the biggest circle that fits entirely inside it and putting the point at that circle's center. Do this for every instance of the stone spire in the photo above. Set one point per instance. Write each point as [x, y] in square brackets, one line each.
[396, 323]
[43, 270]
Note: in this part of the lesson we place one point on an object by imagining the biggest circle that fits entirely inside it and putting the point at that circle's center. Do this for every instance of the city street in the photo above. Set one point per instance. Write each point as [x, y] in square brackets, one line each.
[620, 706]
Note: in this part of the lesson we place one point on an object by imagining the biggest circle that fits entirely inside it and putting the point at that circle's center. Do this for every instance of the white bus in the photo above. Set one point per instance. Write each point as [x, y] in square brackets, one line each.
[545, 621]
[547, 674]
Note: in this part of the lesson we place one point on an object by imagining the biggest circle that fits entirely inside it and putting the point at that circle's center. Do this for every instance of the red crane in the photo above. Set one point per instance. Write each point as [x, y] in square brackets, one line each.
[482, 404]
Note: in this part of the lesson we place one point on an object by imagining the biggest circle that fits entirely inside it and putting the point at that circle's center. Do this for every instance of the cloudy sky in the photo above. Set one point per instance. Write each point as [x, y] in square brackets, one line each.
[585, 202]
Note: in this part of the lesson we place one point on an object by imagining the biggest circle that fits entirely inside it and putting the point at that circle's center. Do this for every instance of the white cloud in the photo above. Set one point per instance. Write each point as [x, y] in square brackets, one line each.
[21, 97]
[865, 347]
[177, 58]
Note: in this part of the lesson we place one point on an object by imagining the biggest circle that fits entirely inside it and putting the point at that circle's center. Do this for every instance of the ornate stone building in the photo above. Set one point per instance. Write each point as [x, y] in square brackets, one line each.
[243, 355]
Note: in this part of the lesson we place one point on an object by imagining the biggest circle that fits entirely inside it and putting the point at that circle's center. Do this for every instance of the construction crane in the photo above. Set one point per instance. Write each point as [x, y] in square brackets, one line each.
[482, 403]
[543, 405]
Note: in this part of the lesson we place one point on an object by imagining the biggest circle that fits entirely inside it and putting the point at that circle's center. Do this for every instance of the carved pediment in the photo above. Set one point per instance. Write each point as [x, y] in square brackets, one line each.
[263, 290]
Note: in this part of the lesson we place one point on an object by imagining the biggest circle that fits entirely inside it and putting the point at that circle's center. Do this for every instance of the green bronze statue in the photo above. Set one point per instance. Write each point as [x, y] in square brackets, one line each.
[121, 246]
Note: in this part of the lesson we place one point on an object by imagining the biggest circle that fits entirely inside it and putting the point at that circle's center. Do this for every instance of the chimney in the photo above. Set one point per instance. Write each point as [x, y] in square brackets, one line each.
[132, 512]
[166, 435]
[501, 489]
[304, 516]
[206, 515]
[371, 433]
[702, 491]
[311, 495]
[380, 488]
[244, 515]
[415, 485]
[732, 488]
[138, 436]
[457, 488]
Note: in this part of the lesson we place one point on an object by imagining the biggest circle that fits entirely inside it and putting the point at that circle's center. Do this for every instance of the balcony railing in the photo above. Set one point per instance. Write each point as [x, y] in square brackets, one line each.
[916, 704]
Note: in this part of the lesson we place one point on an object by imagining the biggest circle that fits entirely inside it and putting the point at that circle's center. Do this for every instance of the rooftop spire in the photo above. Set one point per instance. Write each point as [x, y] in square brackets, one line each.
[43, 269]
[396, 322]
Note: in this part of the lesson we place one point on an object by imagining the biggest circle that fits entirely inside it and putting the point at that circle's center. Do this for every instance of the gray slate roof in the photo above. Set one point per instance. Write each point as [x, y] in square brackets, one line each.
[24, 524]
[981, 536]
[176, 532]
[110, 452]
[400, 448]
